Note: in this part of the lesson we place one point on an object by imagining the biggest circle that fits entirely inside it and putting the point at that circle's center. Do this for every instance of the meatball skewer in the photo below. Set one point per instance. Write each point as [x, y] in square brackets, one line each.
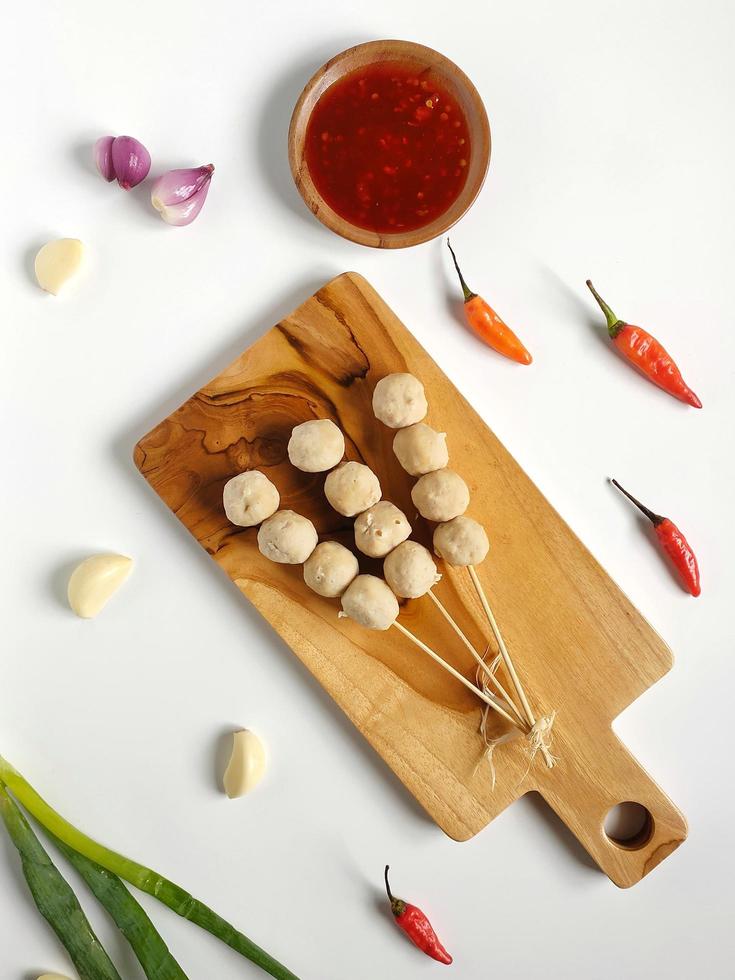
[330, 569]
[441, 496]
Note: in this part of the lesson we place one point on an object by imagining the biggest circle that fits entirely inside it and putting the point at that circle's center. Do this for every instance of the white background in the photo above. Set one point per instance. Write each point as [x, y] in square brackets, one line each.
[613, 150]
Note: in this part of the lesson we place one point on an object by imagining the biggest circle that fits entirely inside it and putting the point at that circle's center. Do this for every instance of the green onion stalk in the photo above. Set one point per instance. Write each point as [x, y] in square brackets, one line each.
[145, 879]
[128, 915]
[55, 899]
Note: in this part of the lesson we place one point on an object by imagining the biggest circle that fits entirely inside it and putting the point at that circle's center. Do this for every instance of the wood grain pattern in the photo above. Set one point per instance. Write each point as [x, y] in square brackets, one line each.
[582, 649]
[428, 64]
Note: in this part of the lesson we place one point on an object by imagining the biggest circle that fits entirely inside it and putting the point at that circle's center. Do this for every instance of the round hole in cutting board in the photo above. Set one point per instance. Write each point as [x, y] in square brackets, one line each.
[629, 825]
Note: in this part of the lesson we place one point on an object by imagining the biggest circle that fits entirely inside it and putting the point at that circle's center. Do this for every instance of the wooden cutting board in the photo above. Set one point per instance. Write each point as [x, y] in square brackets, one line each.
[581, 648]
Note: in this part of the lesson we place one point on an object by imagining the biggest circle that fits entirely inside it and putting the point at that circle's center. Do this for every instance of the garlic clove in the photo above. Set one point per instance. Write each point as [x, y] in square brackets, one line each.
[179, 195]
[94, 581]
[246, 766]
[103, 157]
[57, 262]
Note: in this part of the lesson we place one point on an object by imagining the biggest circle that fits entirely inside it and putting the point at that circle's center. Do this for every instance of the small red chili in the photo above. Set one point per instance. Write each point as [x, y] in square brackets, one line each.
[646, 354]
[674, 544]
[416, 926]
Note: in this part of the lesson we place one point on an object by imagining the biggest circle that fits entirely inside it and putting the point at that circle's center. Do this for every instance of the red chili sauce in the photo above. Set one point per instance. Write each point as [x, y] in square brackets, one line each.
[388, 149]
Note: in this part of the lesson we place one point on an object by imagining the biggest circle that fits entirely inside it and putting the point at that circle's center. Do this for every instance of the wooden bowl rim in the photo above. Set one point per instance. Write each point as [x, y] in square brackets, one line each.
[480, 132]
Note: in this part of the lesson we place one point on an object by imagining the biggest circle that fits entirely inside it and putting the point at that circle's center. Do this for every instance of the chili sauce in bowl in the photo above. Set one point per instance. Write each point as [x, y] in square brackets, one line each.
[386, 149]
[389, 144]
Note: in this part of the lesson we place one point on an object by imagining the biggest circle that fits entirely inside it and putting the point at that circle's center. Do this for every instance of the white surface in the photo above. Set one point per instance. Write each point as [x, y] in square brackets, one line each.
[612, 158]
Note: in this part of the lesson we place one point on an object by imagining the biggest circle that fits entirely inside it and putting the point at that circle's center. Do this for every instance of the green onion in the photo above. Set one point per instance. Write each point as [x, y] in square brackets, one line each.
[128, 915]
[176, 898]
[54, 898]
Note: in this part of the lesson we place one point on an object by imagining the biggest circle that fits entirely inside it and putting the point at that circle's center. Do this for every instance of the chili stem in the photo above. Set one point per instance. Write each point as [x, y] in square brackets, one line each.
[489, 699]
[468, 294]
[481, 663]
[387, 885]
[612, 320]
[655, 519]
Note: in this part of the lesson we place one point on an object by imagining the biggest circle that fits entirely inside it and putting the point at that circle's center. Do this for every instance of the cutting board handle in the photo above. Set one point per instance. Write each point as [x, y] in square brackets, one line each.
[582, 790]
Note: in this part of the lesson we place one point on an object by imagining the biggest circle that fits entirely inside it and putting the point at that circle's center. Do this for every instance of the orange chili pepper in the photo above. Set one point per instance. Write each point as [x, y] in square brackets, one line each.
[488, 326]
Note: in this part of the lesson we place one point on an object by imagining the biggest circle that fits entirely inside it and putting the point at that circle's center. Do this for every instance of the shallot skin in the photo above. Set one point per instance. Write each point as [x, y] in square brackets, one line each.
[122, 158]
[179, 195]
[103, 157]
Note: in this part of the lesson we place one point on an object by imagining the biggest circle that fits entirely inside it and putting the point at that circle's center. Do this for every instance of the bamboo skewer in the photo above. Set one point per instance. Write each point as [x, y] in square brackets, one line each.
[509, 703]
[541, 743]
[489, 699]
[502, 647]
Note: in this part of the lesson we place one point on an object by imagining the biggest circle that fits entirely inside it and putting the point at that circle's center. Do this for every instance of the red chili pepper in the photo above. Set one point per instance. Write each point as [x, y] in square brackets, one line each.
[416, 926]
[674, 544]
[646, 354]
[488, 326]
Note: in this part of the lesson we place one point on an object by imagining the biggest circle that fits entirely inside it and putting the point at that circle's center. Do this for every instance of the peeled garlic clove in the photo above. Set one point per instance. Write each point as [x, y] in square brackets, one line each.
[95, 580]
[57, 262]
[246, 766]
[180, 194]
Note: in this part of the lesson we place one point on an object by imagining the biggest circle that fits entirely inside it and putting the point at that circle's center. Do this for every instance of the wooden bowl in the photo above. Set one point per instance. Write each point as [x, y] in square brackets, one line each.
[422, 60]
